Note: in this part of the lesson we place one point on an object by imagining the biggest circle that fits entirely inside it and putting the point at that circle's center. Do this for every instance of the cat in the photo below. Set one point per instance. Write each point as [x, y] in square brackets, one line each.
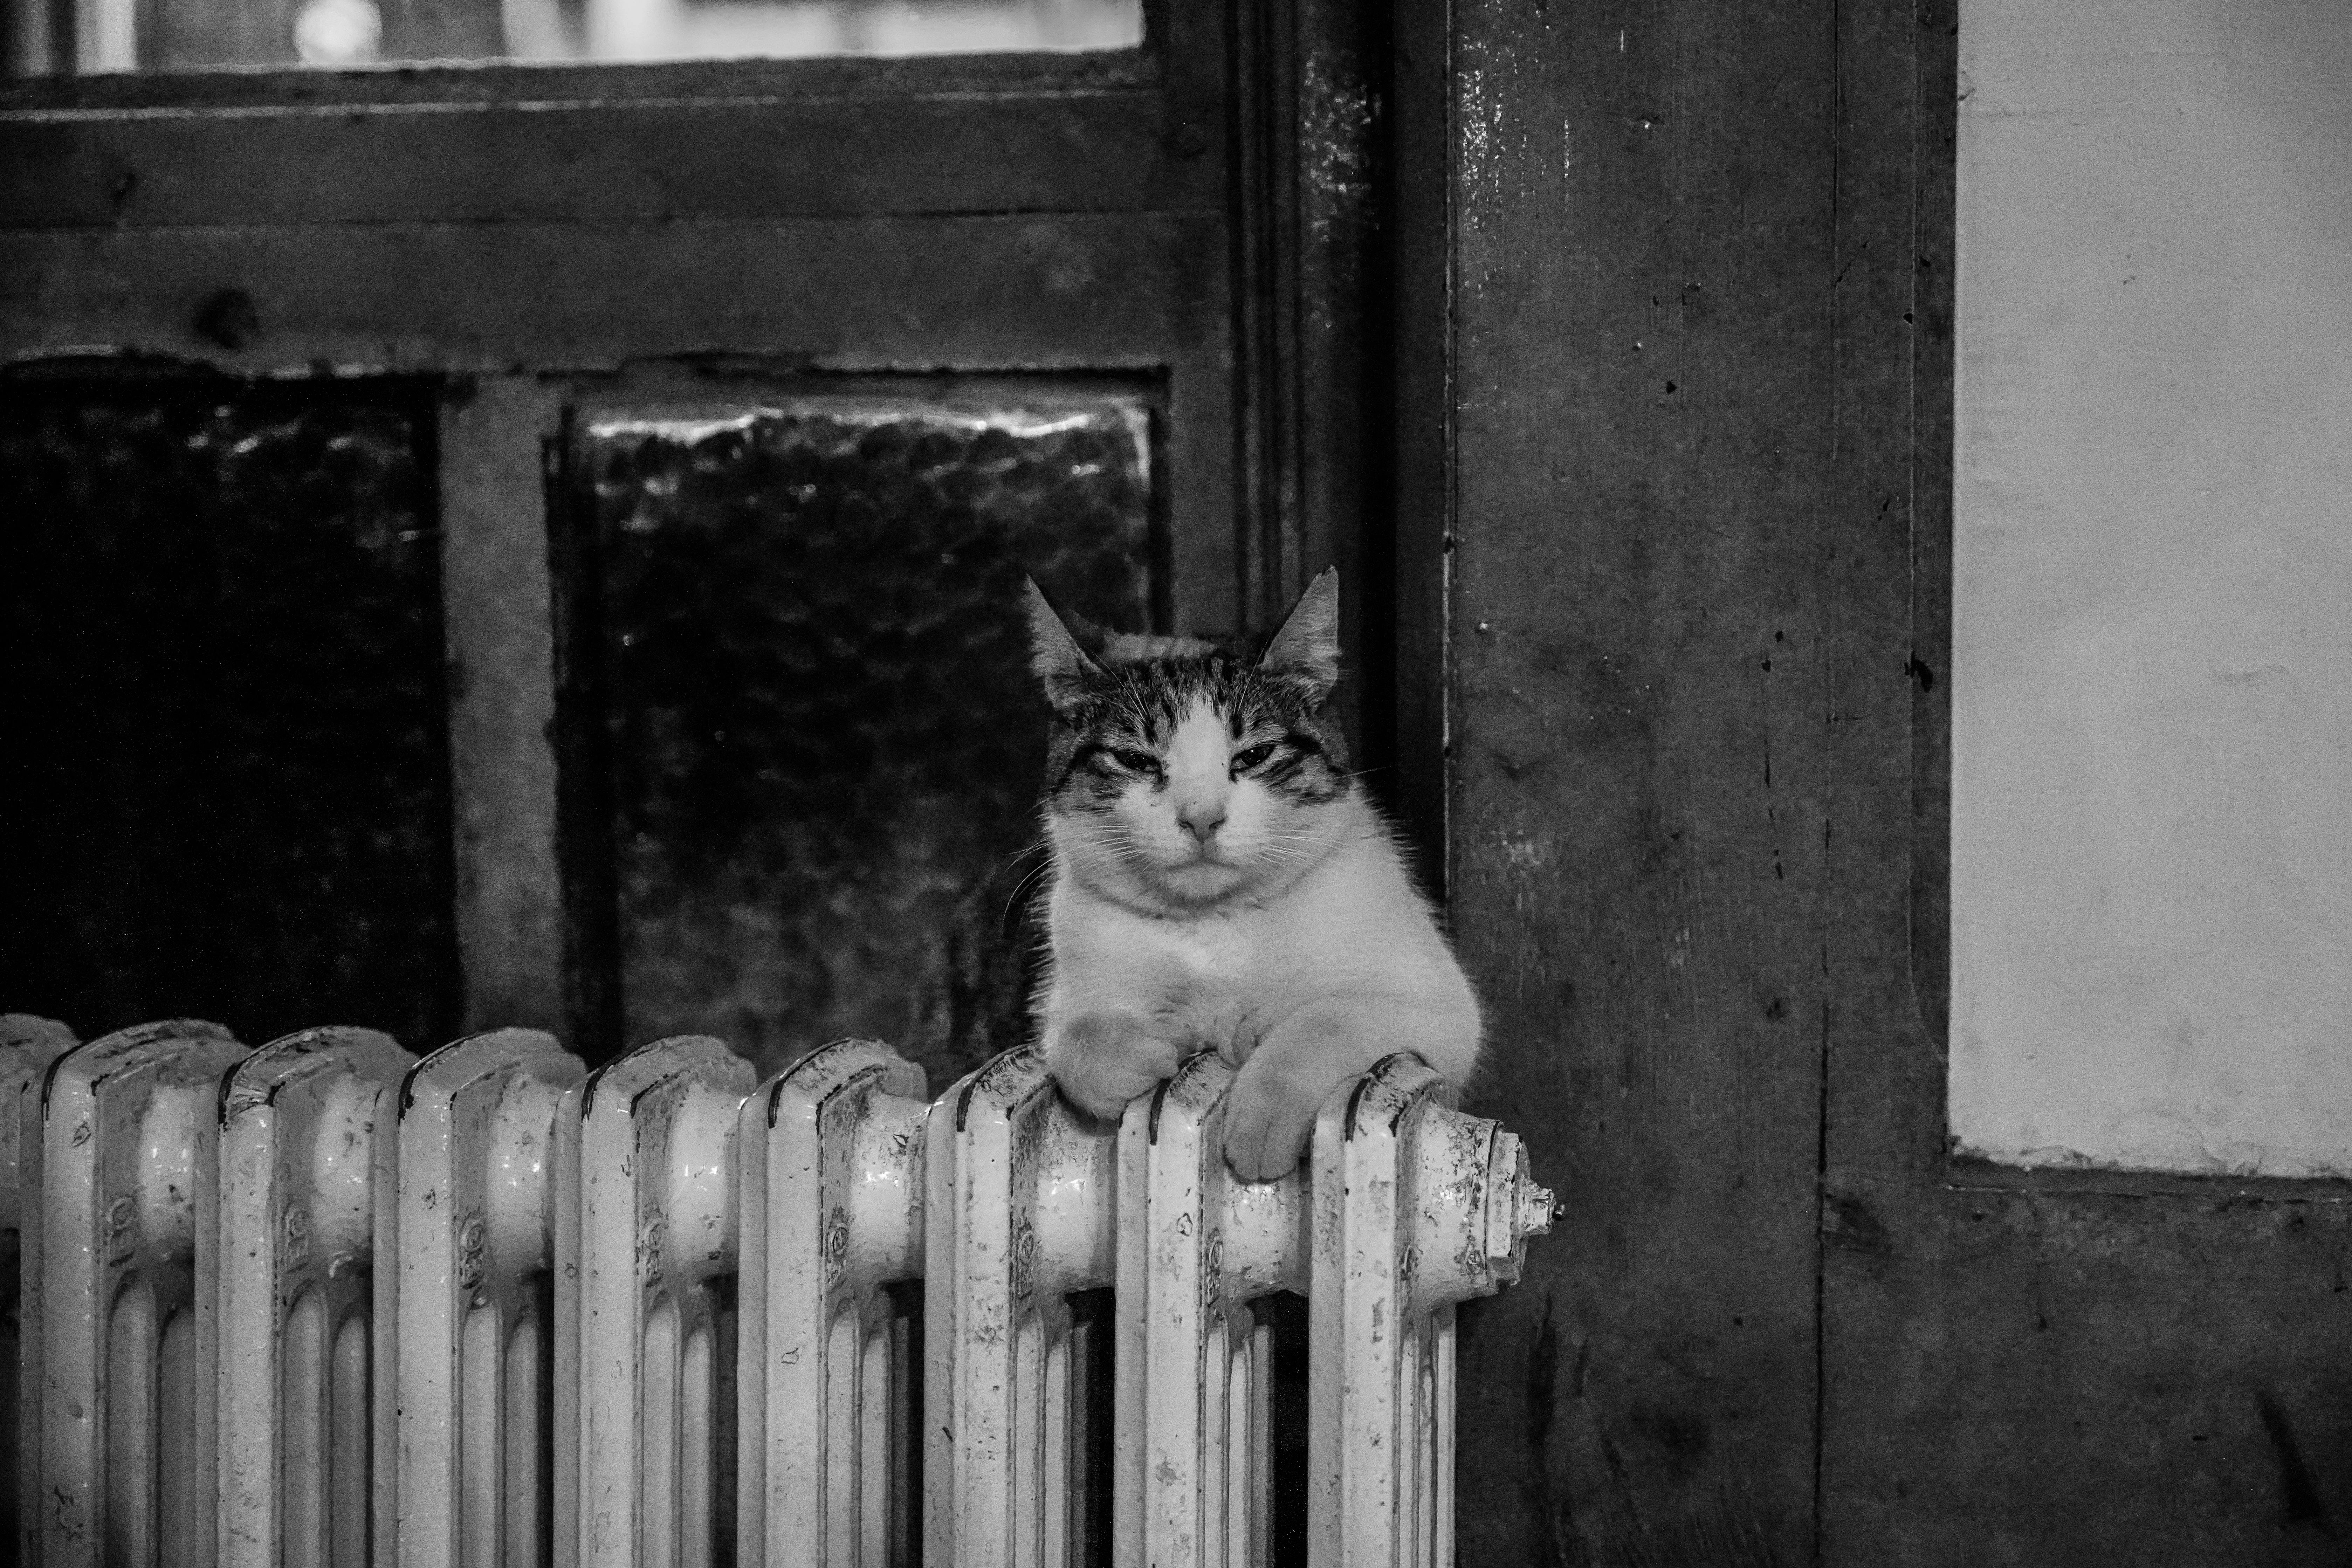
[1220, 882]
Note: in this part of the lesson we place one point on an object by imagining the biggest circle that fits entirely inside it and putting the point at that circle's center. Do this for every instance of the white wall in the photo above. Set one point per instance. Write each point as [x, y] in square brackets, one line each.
[2152, 691]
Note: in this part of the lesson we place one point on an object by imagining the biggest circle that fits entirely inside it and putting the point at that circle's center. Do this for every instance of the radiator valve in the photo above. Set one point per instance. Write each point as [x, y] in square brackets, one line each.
[1517, 1208]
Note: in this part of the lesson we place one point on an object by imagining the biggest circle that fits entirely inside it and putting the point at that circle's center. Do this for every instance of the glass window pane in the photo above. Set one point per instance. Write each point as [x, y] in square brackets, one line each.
[227, 795]
[821, 743]
[98, 36]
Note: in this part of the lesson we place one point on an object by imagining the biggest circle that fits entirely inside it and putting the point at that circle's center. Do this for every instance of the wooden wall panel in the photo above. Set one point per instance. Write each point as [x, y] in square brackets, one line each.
[1641, 733]
[1696, 459]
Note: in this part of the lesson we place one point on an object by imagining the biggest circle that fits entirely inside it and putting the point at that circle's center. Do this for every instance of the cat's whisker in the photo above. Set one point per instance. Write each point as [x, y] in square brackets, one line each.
[1021, 890]
[1040, 847]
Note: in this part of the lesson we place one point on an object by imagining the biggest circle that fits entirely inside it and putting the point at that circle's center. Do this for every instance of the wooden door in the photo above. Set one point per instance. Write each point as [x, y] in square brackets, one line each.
[509, 543]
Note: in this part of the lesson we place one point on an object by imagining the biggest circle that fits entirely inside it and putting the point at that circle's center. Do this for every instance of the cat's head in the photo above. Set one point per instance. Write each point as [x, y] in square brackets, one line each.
[1184, 773]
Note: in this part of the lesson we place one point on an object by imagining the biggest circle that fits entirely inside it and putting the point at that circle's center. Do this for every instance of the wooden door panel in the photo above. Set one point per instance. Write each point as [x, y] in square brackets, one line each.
[529, 244]
[2018, 1366]
[1700, 354]
[2110, 1379]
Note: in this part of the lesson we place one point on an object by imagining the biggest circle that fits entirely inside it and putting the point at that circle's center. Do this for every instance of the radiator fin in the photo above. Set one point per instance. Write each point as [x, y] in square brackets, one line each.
[323, 1305]
[28, 1045]
[115, 1206]
[295, 1210]
[646, 1221]
[831, 1217]
[469, 1217]
[1019, 1215]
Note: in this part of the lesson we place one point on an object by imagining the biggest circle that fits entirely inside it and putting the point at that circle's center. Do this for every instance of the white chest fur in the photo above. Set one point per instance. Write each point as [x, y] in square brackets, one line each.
[1192, 972]
[1353, 925]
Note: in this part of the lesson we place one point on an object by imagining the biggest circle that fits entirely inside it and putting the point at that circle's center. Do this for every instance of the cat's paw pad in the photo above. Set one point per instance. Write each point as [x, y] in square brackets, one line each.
[1269, 1118]
[1102, 1060]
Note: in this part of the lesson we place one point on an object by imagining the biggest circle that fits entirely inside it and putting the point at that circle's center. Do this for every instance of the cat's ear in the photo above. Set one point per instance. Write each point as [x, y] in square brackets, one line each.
[1306, 651]
[1060, 665]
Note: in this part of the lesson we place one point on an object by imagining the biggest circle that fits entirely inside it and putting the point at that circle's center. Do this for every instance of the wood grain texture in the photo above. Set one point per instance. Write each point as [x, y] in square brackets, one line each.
[1641, 734]
[1418, 234]
[1702, 356]
[1308, 302]
[1345, 514]
[2095, 1379]
[1107, 151]
[990, 293]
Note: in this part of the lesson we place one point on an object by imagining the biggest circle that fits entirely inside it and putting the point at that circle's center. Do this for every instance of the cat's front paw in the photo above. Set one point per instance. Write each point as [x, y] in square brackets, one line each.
[1270, 1116]
[1102, 1060]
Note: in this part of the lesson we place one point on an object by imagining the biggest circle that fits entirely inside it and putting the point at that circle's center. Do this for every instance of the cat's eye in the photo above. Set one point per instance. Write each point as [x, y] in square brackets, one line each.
[1136, 761]
[1244, 760]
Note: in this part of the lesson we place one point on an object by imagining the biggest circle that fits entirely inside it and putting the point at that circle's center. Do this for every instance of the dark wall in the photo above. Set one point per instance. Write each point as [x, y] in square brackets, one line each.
[1693, 345]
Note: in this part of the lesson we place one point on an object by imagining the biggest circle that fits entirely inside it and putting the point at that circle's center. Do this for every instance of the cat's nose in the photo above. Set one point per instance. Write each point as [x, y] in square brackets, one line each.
[1201, 819]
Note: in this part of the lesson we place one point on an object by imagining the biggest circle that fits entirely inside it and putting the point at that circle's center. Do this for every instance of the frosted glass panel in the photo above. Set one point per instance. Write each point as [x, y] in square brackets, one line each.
[227, 781]
[2152, 697]
[822, 744]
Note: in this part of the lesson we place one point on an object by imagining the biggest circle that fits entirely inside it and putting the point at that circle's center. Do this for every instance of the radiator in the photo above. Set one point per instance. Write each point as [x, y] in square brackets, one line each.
[326, 1303]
